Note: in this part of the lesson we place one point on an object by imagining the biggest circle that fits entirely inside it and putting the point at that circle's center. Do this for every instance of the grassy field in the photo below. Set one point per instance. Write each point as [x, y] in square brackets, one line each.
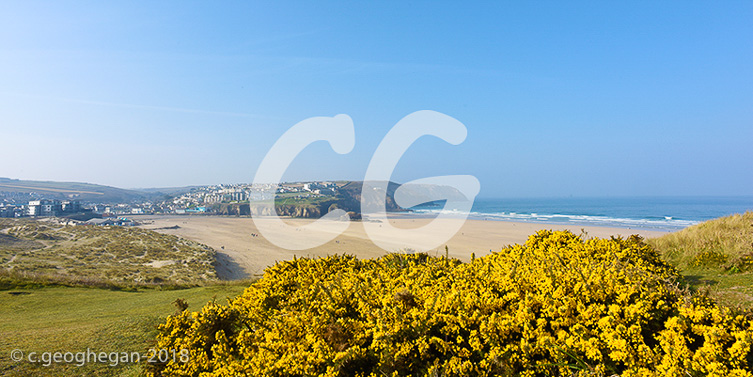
[66, 319]
[715, 256]
[301, 200]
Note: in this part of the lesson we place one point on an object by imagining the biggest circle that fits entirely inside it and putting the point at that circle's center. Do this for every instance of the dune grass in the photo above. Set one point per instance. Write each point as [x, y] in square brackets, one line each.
[715, 256]
[73, 288]
[125, 256]
[69, 319]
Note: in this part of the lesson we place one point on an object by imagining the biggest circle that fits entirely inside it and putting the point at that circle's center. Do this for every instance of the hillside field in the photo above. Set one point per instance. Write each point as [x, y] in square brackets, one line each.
[75, 190]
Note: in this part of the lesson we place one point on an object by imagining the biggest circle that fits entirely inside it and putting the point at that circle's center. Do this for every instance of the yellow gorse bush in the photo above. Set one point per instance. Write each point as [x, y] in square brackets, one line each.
[558, 305]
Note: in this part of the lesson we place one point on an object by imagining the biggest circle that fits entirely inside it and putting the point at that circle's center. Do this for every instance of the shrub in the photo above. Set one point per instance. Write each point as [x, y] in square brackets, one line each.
[557, 305]
[709, 258]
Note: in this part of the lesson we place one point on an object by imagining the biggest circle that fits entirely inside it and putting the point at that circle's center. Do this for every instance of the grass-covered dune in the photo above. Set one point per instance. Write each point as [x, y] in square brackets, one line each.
[558, 305]
[724, 243]
[47, 252]
[51, 299]
[715, 255]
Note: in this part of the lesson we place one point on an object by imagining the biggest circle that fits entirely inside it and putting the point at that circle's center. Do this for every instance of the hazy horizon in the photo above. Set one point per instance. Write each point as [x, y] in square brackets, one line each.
[481, 197]
[578, 99]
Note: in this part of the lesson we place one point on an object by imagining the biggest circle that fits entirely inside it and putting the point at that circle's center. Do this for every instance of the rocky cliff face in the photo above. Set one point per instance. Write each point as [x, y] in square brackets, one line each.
[347, 199]
[300, 211]
[244, 209]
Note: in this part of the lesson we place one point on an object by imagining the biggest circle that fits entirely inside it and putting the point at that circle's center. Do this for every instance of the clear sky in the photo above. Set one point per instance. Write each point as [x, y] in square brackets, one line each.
[559, 98]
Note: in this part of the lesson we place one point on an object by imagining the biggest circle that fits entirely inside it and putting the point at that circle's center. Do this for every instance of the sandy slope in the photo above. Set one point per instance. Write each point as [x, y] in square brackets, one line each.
[242, 255]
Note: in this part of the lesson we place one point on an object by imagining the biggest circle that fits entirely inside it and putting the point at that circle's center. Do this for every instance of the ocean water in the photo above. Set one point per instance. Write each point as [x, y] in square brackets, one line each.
[654, 213]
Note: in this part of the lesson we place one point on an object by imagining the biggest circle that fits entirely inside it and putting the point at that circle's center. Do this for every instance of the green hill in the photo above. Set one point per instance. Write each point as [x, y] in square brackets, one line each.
[74, 190]
[716, 255]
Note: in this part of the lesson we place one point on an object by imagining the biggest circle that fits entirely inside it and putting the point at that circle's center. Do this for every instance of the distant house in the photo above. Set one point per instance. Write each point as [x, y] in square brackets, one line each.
[70, 206]
[120, 221]
[101, 222]
[8, 210]
[324, 191]
[44, 208]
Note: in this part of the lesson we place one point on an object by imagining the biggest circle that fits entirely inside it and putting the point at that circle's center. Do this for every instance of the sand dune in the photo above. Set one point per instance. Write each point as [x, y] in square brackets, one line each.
[242, 255]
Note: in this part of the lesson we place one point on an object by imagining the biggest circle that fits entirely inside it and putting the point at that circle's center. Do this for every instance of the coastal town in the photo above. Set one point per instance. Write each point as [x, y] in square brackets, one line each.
[191, 200]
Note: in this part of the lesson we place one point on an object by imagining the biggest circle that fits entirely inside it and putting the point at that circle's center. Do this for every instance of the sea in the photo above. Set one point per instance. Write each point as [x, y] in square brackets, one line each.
[648, 213]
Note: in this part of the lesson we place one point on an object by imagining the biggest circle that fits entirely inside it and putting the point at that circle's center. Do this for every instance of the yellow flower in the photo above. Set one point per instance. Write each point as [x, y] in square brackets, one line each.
[557, 305]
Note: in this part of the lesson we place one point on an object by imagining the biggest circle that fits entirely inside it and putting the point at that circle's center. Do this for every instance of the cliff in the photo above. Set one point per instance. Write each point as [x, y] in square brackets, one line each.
[348, 198]
[244, 209]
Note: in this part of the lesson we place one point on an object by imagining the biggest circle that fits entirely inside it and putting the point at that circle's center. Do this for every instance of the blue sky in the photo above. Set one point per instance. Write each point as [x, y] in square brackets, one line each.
[560, 99]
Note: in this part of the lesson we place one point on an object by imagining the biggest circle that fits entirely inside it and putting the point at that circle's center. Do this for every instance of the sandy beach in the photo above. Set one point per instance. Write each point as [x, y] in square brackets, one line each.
[243, 255]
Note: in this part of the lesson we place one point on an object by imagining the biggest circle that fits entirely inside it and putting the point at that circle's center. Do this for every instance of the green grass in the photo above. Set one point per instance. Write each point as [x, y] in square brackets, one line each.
[715, 256]
[66, 319]
[300, 200]
[52, 297]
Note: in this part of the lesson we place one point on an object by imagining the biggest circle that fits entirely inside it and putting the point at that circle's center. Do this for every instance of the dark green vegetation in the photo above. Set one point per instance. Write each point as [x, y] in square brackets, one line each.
[65, 319]
[715, 256]
[295, 205]
[45, 252]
